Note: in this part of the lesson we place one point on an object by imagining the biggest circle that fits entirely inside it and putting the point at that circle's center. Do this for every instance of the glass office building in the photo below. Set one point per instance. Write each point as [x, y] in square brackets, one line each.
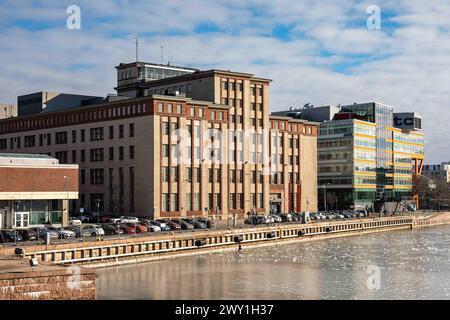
[365, 161]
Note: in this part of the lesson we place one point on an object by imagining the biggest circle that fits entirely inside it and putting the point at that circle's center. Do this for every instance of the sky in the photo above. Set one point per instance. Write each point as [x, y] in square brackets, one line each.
[318, 52]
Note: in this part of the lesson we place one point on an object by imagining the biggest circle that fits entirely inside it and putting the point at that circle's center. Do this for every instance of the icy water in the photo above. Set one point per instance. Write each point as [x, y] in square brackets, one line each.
[411, 264]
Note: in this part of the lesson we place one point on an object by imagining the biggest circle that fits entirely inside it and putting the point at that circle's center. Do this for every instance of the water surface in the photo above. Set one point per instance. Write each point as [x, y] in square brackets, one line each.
[413, 264]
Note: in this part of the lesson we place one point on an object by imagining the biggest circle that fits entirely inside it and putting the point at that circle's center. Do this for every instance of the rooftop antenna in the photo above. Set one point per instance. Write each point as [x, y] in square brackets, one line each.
[162, 54]
[137, 49]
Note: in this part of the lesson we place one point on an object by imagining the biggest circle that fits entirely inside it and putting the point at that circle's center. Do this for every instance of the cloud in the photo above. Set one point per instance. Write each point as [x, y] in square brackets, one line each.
[315, 52]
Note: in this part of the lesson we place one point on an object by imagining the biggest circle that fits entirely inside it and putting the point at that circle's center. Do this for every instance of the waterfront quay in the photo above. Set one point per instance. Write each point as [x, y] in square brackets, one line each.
[116, 251]
[113, 252]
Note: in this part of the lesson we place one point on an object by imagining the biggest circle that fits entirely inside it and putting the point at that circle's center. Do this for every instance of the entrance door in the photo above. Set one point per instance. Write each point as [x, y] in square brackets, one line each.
[22, 219]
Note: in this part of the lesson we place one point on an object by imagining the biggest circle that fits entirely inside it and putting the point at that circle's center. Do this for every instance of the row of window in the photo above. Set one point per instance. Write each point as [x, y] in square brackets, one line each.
[96, 134]
[96, 155]
[71, 118]
[187, 88]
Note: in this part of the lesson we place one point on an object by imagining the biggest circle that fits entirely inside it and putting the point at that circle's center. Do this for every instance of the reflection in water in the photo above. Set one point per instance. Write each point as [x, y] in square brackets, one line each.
[414, 265]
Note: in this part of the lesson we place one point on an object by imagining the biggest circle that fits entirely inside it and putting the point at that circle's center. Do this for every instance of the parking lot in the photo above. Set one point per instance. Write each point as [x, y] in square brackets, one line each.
[87, 229]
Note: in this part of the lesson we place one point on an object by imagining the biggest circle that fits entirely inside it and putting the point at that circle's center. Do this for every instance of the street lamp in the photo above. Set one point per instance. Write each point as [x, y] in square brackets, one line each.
[67, 194]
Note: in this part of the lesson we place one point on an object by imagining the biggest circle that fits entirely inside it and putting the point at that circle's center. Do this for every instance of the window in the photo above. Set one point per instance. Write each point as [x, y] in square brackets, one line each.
[83, 156]
[131, 130]
[165, 204]
[82, 176]
[49, 139]
[131, 152]
[61, 137]
[82, 135]
[61, 156]
[174, 174]
[160, 107]
[188, 88]
[111, 154]
[178, 108]
[170, 108]
[188, 202]
[97, 134]
[165, 150]
[74, 136]
[29, 141]
[3, 144]
[165, 128]
[97, 176]
[224, 85]
[97, 154]
[165, 174]
[111, 132]
[41, 140]
[74, 156]
[196, 201]
[121, 153]
[121, 131]
[189, 174]
[198, 175]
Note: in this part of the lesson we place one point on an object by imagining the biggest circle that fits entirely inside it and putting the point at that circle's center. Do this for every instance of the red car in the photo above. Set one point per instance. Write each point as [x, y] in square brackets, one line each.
[104, 219]
[127, 229]
[139, 227]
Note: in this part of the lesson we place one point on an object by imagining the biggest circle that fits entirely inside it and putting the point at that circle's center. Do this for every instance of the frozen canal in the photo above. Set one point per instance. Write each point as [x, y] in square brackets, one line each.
[394, 265]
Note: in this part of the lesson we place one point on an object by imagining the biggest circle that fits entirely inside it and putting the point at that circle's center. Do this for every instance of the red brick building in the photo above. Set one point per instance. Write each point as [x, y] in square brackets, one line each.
[34, 190]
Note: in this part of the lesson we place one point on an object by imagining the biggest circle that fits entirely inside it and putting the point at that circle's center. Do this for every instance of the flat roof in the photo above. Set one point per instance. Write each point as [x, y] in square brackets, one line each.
[25, 156]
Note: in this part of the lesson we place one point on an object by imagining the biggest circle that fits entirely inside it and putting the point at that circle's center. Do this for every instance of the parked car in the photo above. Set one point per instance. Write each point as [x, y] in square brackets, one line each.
[41, 233]
[28, 234]
[153, 228]
[162, 225]
[80, 232]
[10, 236]
[172, 225]
[184, 225]
[209, 223]
[95, 230]
[255, 220]
[73, 221]
[197, 224]
[286, 217]
[127, 229]
[87, 218]
[63, 233]
[111, 229]
[140, 228]
[275, 218]
[269, 219]
[127, 219]
[114, 220]
[104, 219]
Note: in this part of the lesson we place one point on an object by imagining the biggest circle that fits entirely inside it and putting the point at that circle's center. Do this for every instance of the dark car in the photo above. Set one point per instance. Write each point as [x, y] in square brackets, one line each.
[41, 232]
[197, 224]
[255, 220]
[209, 223]
[10, 236]
[28, 235]
[184, 225]
[111, 229]
[172, 225]
[296, 217]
